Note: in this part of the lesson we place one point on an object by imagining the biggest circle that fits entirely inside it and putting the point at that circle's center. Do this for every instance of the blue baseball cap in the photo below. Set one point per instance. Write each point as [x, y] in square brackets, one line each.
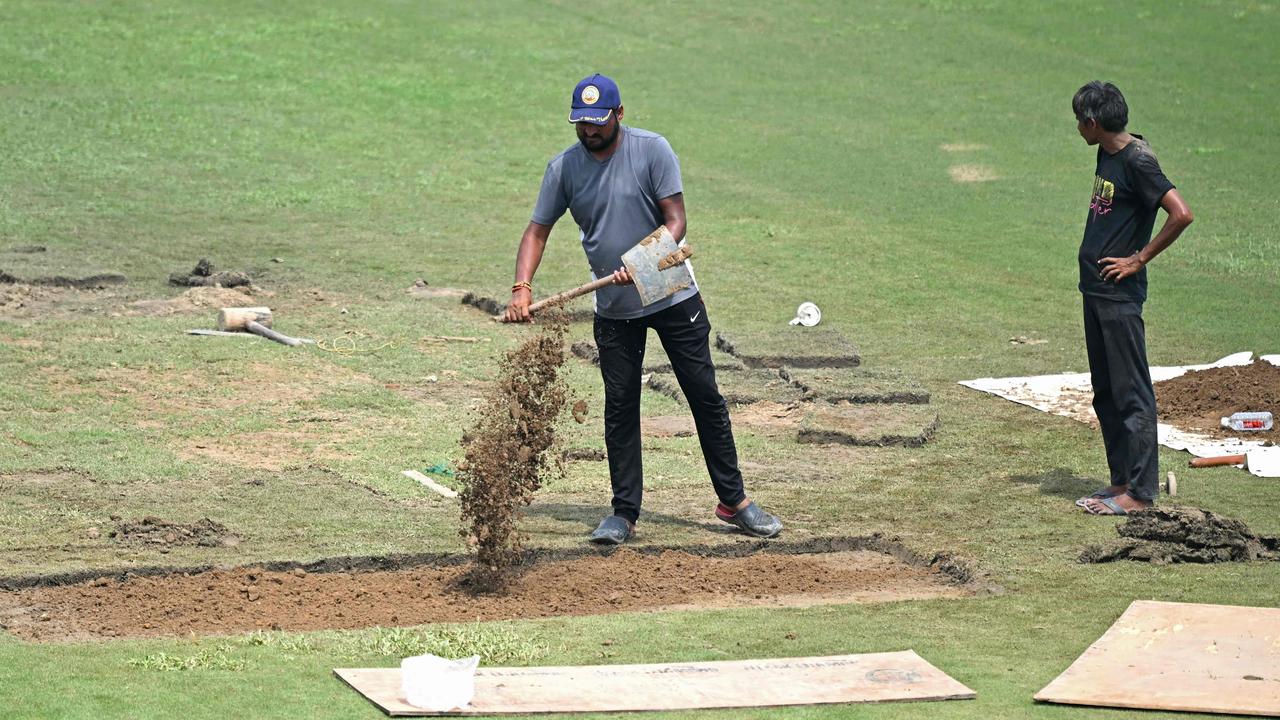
[594, 100]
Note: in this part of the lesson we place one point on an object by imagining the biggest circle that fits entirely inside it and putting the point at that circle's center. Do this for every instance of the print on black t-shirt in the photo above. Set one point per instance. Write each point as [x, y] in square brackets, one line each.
[1127, 190]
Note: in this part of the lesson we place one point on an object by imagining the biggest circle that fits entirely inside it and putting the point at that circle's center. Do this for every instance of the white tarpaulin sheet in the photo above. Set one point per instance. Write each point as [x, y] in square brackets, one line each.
[1071, 395]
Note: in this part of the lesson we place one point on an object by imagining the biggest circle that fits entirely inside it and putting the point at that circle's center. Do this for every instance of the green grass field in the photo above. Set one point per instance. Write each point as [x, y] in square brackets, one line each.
[368, 144]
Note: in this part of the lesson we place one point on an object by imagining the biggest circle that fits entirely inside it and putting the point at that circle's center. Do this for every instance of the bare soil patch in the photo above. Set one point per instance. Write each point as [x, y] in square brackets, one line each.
[660, 426]
[1183, 535]
[173, 391]
[32, 301]
[287, 448]
[221, 601]
[972, 173]
[1200, 399]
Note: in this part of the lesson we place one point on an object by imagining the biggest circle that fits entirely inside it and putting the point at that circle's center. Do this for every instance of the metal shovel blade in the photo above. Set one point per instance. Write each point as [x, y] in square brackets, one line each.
[643, 264]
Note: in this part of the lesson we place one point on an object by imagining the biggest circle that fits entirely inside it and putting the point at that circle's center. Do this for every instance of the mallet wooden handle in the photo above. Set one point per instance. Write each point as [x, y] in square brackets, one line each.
[592, 286]
[1220, 460]
[258, 329]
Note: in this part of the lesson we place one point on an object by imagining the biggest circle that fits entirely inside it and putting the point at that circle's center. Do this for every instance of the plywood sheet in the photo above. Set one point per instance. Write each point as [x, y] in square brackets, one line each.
[1180, 656]
[875, 677]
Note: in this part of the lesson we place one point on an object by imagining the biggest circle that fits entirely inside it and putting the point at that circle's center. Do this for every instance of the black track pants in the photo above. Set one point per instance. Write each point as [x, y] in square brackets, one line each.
[1122, 394]
[683, 330]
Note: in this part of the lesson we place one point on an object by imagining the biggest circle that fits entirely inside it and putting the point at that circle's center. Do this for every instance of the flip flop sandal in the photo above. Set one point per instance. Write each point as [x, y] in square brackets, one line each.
[1096, 495]
[1111, 505]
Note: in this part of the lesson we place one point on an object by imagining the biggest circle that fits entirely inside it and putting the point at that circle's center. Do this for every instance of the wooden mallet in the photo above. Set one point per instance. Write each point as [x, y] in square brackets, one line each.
[256, 320]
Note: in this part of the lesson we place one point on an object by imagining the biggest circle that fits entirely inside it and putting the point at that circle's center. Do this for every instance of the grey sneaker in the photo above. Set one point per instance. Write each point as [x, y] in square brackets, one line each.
[751, 520]
[613, 530]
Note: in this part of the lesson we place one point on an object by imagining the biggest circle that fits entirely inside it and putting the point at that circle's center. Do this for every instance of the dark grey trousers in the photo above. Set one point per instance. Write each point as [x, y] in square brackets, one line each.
[683, 330]
[1123, 396]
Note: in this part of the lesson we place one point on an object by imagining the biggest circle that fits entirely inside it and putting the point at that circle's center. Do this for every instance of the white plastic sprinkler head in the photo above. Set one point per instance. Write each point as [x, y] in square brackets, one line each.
[807, 315]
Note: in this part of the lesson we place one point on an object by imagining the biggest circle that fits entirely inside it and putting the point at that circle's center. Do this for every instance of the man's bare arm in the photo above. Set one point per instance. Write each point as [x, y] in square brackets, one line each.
[532, 245]
[1117, 269]
[673, 215]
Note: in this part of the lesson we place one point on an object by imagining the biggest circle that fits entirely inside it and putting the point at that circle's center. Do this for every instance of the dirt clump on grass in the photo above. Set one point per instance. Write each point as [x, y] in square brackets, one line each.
[508, 450]
[1183, 535]
[1200, 399]
[155, 531]
[204, 274]
[224, 601]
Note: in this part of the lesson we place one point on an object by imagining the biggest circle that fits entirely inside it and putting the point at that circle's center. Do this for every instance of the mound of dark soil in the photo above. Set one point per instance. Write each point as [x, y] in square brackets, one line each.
[1200, 399]
[154, 531]
[1178, 535]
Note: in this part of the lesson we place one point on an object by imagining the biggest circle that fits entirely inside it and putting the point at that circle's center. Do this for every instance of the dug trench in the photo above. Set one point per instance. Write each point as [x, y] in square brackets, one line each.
[407, 590]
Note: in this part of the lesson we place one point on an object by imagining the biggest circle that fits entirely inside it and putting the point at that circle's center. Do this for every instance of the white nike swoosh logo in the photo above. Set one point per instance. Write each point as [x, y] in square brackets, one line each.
[695, 316]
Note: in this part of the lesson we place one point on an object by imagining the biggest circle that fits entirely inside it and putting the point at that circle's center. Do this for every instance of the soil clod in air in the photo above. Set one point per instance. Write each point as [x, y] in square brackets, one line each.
[506, 453]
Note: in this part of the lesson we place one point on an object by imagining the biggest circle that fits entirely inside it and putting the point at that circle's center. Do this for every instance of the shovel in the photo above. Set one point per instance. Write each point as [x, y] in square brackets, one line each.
[1263, 462]
[656, 265]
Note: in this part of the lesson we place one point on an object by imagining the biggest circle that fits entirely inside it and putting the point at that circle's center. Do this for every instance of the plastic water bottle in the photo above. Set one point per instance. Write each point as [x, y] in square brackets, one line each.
[1248, 421]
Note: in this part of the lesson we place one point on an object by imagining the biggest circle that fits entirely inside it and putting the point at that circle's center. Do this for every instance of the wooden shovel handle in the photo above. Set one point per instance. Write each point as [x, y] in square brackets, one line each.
[1216, 461]
[592, 286]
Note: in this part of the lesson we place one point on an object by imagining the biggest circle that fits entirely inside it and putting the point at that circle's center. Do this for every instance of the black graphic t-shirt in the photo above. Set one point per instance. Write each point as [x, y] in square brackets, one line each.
[1127, 191]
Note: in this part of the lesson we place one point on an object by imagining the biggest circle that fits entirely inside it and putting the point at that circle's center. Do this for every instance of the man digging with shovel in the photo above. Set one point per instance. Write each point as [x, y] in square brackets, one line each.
[619, 183]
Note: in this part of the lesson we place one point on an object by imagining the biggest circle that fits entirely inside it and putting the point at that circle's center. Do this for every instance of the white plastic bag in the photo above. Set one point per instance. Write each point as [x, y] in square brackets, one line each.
[435, 683]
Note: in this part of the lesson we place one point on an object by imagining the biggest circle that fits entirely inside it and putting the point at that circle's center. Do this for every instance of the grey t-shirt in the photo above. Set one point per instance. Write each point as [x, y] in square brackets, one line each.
[615, 204]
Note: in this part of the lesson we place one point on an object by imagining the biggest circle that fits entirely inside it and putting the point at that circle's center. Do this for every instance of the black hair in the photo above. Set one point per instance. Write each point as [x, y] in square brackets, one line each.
[1102, 102]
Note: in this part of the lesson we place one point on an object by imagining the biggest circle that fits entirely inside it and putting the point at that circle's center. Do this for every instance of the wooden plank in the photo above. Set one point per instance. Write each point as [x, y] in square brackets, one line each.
[429, 483]
[1182, 657]
[870, 678]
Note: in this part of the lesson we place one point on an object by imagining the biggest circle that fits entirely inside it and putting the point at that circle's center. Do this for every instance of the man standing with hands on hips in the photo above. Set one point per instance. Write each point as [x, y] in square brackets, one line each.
[620, 183]
[1128, 188]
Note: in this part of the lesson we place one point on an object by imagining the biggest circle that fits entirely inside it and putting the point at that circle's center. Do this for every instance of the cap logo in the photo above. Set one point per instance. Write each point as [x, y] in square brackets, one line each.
[590, 94]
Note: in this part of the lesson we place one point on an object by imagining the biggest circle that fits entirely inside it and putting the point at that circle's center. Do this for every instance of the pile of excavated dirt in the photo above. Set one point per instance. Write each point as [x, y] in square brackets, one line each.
[224, 601]
[196, 299]
[507, 451]
[1183, 535]
[1200, 399]
[155, 531]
